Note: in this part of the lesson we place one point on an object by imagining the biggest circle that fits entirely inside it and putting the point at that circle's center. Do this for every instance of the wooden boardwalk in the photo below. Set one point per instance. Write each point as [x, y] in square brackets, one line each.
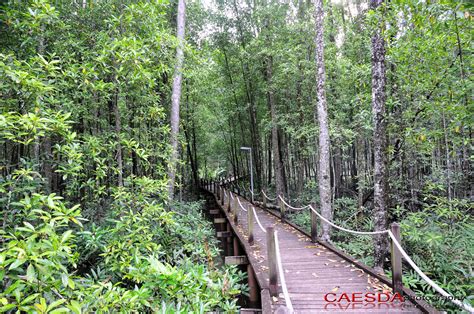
[316, 275]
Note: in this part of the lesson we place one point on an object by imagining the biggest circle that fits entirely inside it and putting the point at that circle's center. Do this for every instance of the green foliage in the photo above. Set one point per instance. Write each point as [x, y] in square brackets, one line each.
[80, 84]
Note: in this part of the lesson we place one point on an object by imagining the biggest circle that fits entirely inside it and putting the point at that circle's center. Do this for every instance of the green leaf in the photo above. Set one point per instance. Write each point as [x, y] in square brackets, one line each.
[65, 280]
[29, 298]
[75, 307]
[16, 264]
[56, 304]
[60, 310]
[30, 273]
[66, 236]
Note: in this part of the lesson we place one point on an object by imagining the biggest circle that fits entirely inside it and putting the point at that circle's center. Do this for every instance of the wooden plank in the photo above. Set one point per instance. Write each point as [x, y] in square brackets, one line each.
[250, 311]
[236, 260]
[220, 220]
[224, 234]
[266, 301]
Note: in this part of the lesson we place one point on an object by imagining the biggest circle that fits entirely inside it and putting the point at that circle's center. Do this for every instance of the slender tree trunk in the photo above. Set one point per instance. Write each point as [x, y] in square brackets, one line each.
[277, 164]
[175, 97]
[324, 176]
[118, 129]
[380, 141]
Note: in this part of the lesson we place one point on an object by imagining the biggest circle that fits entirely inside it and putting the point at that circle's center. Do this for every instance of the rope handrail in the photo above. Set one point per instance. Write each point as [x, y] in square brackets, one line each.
[294, 208]
[241, 206]
[345, 229]
[282, 275]
[258, 220]
[253, 193]
[440, 290]
[268, 198]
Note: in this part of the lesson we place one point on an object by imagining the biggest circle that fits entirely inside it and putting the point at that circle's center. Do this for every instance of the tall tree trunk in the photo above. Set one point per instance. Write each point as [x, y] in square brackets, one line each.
[277, 162]
[175, 97]
[118, 129]
[380, 141]
[324, 177]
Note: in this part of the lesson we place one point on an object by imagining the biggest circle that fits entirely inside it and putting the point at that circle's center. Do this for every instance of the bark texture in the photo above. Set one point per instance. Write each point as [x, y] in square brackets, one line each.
[380, 141]
[277, 163]
[324, 177]
[175, 96]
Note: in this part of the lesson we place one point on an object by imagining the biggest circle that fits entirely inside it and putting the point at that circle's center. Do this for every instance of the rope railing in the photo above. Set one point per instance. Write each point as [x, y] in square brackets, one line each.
[345, 229]
[289, 206]
[253, 193]
[240, 204]
[267, 197]
[258, 220]
[281, 274]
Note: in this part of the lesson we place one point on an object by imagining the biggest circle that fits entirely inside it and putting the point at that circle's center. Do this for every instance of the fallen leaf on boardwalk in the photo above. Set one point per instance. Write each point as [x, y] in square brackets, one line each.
[326, 264]
[332, 260]
[313, 274]
[349, 279]
[360, 275]
[311, 246]
[337, 265]
[275, 299]
[319, 253]
[335, 289]
[343, 261]
[287, 271]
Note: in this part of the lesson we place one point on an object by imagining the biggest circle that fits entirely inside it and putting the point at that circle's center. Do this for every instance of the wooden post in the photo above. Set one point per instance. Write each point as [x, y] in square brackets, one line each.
[396, 258]
[314, 225]
[264, 201]
[236, 211]
[250, 224]
[229, 246]
[229, 202]
[236, 246]
[253, 286]
[272, 262]
[222, 196]
[282, 209]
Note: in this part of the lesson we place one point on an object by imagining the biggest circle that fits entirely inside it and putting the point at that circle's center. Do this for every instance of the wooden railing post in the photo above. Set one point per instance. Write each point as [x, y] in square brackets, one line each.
[264, 201]
[222, 195]
[250, 224]
[396, 258]
[229, 201]
[282, 209]
[236, 211]
[272, 262]
[254, 291]
[314, 225]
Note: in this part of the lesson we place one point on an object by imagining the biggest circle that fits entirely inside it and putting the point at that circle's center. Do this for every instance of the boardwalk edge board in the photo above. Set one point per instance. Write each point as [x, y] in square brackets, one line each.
[236, 260]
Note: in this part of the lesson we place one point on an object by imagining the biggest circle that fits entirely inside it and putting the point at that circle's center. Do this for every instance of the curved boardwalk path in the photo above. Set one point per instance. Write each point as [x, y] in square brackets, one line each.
[311, 270]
